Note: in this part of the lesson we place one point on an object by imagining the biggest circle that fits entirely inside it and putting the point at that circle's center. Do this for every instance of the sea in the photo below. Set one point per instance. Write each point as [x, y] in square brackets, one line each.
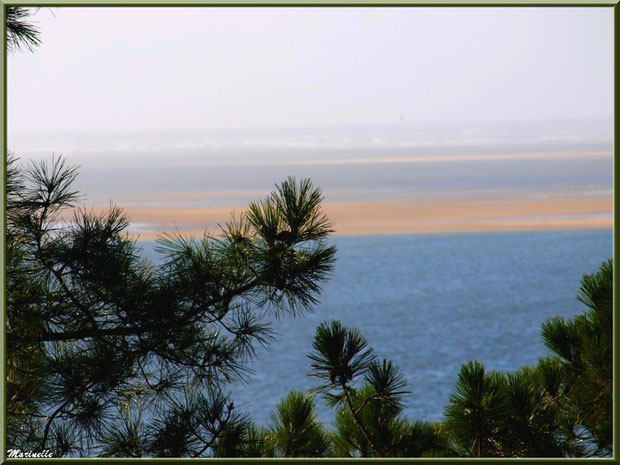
[361, 163]
[431, 303]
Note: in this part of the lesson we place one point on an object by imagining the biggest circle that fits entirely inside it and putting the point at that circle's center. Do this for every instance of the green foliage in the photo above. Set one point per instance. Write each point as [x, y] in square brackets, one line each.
[288, 248]
[562, 407]
[341, 355]
[420, 439]
[98, 335]
[391, 434]
[244, 441]
[368, 420]
[584, 350]
[475, 411]
[514, 415]
[127, 438]
[20, 32]
[532, 426]
[294, 430]
[112, 355]
[387, 384]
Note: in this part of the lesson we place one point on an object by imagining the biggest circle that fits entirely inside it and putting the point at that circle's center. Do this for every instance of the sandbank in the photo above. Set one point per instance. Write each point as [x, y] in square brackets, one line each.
[435, 215]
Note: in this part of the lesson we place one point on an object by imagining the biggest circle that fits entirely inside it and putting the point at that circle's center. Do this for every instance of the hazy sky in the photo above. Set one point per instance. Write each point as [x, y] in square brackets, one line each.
[148, 69]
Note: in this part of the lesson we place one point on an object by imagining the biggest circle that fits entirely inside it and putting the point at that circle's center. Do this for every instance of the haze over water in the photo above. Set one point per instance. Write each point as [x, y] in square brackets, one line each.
[394, 105]
[199, 176]
[429, 302]
[431, 121]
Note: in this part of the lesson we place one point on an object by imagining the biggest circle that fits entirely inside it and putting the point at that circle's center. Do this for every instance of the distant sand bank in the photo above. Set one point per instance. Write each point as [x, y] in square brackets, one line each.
[467, 214]
[471, 215]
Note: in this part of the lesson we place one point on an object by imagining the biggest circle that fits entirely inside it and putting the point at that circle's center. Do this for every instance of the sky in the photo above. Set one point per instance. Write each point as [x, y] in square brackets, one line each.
[103, 70]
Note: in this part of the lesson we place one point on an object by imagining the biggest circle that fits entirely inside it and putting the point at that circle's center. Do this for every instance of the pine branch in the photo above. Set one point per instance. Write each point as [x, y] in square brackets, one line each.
[86, 333]
[357, 420]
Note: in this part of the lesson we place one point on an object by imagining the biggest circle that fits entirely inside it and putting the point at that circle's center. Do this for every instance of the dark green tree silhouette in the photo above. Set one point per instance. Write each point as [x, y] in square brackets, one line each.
[392, 434]
[294, 430]
[99, 336]
[341, 355]
[583, 348]
[475, 411]
[243, 440]
[533, 426]
[368, 420]
[20, 32]
[561, 407]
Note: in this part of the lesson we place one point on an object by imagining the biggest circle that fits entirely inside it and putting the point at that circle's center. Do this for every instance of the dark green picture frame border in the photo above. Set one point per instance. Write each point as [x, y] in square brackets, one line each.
[306, 4]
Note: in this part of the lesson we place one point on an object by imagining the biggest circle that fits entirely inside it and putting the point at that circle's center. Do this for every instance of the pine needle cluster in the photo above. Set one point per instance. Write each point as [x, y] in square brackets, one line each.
[99, 336]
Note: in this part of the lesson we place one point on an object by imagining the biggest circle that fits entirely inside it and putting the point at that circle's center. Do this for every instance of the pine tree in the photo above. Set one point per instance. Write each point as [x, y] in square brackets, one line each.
[20, 32]
[98, 336]
[294, 430]
[368, 420]
[583, 349]
[475, 411]
[562, 407]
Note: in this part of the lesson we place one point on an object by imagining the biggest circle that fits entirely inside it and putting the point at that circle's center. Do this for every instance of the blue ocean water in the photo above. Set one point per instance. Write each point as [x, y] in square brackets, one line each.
[431, 303]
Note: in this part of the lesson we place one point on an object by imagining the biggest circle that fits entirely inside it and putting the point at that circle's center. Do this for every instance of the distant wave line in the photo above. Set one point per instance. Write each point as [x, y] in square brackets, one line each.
[437, 158]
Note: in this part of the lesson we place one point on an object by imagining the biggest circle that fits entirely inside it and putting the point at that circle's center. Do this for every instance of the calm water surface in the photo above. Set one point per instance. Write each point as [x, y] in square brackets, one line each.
[431, 303]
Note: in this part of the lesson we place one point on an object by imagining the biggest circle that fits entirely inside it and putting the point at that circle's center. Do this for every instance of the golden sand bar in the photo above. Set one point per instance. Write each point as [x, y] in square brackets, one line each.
[439, 215]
